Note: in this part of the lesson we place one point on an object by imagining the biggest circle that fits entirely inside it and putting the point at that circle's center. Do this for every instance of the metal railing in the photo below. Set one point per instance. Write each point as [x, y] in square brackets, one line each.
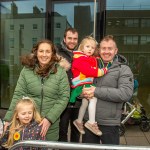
[74, 146]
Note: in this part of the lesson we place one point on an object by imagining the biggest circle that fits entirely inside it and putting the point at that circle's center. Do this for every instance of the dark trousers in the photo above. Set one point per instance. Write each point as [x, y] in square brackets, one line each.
[110, 136]
[69, 115]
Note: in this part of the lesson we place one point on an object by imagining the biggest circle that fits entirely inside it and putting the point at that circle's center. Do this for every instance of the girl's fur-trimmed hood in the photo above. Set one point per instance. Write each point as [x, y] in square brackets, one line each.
[64, 63]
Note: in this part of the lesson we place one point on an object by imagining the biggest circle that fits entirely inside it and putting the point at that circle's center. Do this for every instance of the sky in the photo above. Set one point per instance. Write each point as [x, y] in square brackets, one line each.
[69, 10]
[24, 6]
[128, 4]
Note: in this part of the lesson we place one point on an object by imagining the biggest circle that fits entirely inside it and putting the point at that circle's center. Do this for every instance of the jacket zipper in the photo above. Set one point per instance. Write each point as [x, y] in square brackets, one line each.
[42, 93]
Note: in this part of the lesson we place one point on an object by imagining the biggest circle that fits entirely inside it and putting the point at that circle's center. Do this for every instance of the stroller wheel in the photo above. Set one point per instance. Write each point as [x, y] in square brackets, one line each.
[121, 129]
[145, 126]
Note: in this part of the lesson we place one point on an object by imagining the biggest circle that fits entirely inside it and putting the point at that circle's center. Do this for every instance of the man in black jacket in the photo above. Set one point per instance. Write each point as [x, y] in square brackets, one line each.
[68, 45]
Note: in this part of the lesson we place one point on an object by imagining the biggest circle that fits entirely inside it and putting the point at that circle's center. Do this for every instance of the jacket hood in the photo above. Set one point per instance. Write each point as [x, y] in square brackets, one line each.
[64, 48]
[121, 59]
[63, 45]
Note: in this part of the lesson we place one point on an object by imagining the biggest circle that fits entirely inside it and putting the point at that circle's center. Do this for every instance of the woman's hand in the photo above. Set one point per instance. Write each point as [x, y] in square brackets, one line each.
[45, 126]
[88, 92]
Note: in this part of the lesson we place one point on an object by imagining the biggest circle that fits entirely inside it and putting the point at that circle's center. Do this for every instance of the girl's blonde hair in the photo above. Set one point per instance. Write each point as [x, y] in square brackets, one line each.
[85, 40]
[15, 124]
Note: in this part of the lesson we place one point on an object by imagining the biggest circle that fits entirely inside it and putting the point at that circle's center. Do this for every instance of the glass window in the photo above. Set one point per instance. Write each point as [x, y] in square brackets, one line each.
[145, 23]
[21, 17]
[130, 40]
[21, 26]
[145, 39]
[34, 41]
[133, 40]
[11, 42]
[132, 22]
[35, 26]
[58, 25]
[11, 27]
[78, 14]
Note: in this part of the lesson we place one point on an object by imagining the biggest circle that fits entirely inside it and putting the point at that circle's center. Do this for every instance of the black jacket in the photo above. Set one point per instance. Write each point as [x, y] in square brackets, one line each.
[68, 55]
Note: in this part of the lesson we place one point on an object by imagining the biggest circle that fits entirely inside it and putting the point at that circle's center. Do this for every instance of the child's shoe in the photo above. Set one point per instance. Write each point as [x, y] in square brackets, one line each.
[79, 126]
[93, 128]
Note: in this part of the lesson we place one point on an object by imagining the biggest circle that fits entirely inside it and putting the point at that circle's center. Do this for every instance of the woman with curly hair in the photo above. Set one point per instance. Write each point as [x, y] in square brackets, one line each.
[44, 80]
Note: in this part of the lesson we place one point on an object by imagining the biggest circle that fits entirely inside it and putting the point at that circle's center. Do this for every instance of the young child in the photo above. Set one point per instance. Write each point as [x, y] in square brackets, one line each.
[84, 69]
[24, 124]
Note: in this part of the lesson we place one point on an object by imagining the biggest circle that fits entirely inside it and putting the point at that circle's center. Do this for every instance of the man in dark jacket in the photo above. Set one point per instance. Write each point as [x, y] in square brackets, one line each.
[111, 91]
[69, 44]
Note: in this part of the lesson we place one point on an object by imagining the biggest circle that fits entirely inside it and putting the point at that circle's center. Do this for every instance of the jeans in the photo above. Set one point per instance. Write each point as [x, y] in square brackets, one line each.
[68, 116]
[110, 135]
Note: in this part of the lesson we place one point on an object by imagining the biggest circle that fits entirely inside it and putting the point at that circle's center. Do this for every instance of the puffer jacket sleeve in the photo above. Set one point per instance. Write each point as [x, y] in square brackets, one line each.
[63, 97]
[19, 92]
[123, 92]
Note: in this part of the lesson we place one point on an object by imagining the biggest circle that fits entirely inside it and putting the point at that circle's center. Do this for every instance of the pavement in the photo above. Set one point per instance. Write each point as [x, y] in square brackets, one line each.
[134, 136]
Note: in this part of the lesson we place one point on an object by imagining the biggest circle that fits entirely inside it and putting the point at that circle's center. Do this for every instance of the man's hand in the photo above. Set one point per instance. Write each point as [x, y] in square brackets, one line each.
[88, 92]
[45, 126]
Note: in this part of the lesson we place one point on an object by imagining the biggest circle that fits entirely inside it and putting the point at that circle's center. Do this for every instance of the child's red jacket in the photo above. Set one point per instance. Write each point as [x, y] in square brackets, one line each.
[84, 69]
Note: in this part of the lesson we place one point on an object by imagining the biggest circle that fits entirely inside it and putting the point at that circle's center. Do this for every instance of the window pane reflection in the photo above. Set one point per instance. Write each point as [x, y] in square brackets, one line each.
[129, 22]
[22, 24]
[79, 15]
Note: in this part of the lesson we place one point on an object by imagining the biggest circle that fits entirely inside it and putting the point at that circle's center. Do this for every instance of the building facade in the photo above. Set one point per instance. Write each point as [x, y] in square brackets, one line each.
[23, 23]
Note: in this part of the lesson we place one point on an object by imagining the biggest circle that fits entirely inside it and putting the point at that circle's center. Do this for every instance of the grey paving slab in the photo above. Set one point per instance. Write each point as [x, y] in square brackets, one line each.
[147, 136]
[133, 130]
[137, 141]
[123, 140]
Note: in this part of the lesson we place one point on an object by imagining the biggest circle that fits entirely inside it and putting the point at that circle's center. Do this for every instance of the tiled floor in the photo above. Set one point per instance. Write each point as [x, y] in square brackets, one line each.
[134, 136]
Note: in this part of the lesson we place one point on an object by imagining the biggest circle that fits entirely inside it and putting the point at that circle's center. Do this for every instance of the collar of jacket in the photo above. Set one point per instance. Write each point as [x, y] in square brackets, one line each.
[120, 59]
[64, 47]
[31, 124]
[51, 71]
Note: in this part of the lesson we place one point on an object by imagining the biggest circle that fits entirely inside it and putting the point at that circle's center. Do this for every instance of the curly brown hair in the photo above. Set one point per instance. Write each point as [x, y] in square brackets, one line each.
[31, 61]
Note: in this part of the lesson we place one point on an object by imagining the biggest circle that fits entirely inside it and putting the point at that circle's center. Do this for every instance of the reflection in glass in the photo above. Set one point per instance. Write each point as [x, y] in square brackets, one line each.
[129, 23]
[22, 24]
[79, 15]
[128, 5]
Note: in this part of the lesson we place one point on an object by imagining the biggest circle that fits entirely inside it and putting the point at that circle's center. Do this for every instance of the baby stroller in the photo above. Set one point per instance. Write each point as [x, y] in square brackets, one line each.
[134, 111]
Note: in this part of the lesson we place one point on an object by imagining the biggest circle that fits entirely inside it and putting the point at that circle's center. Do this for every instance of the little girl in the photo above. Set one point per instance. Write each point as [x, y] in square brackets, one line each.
[84, 69]
[24, 124]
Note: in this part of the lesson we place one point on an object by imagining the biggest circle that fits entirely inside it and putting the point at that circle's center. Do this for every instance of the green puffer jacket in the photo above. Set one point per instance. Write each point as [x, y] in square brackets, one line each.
[51, 95]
